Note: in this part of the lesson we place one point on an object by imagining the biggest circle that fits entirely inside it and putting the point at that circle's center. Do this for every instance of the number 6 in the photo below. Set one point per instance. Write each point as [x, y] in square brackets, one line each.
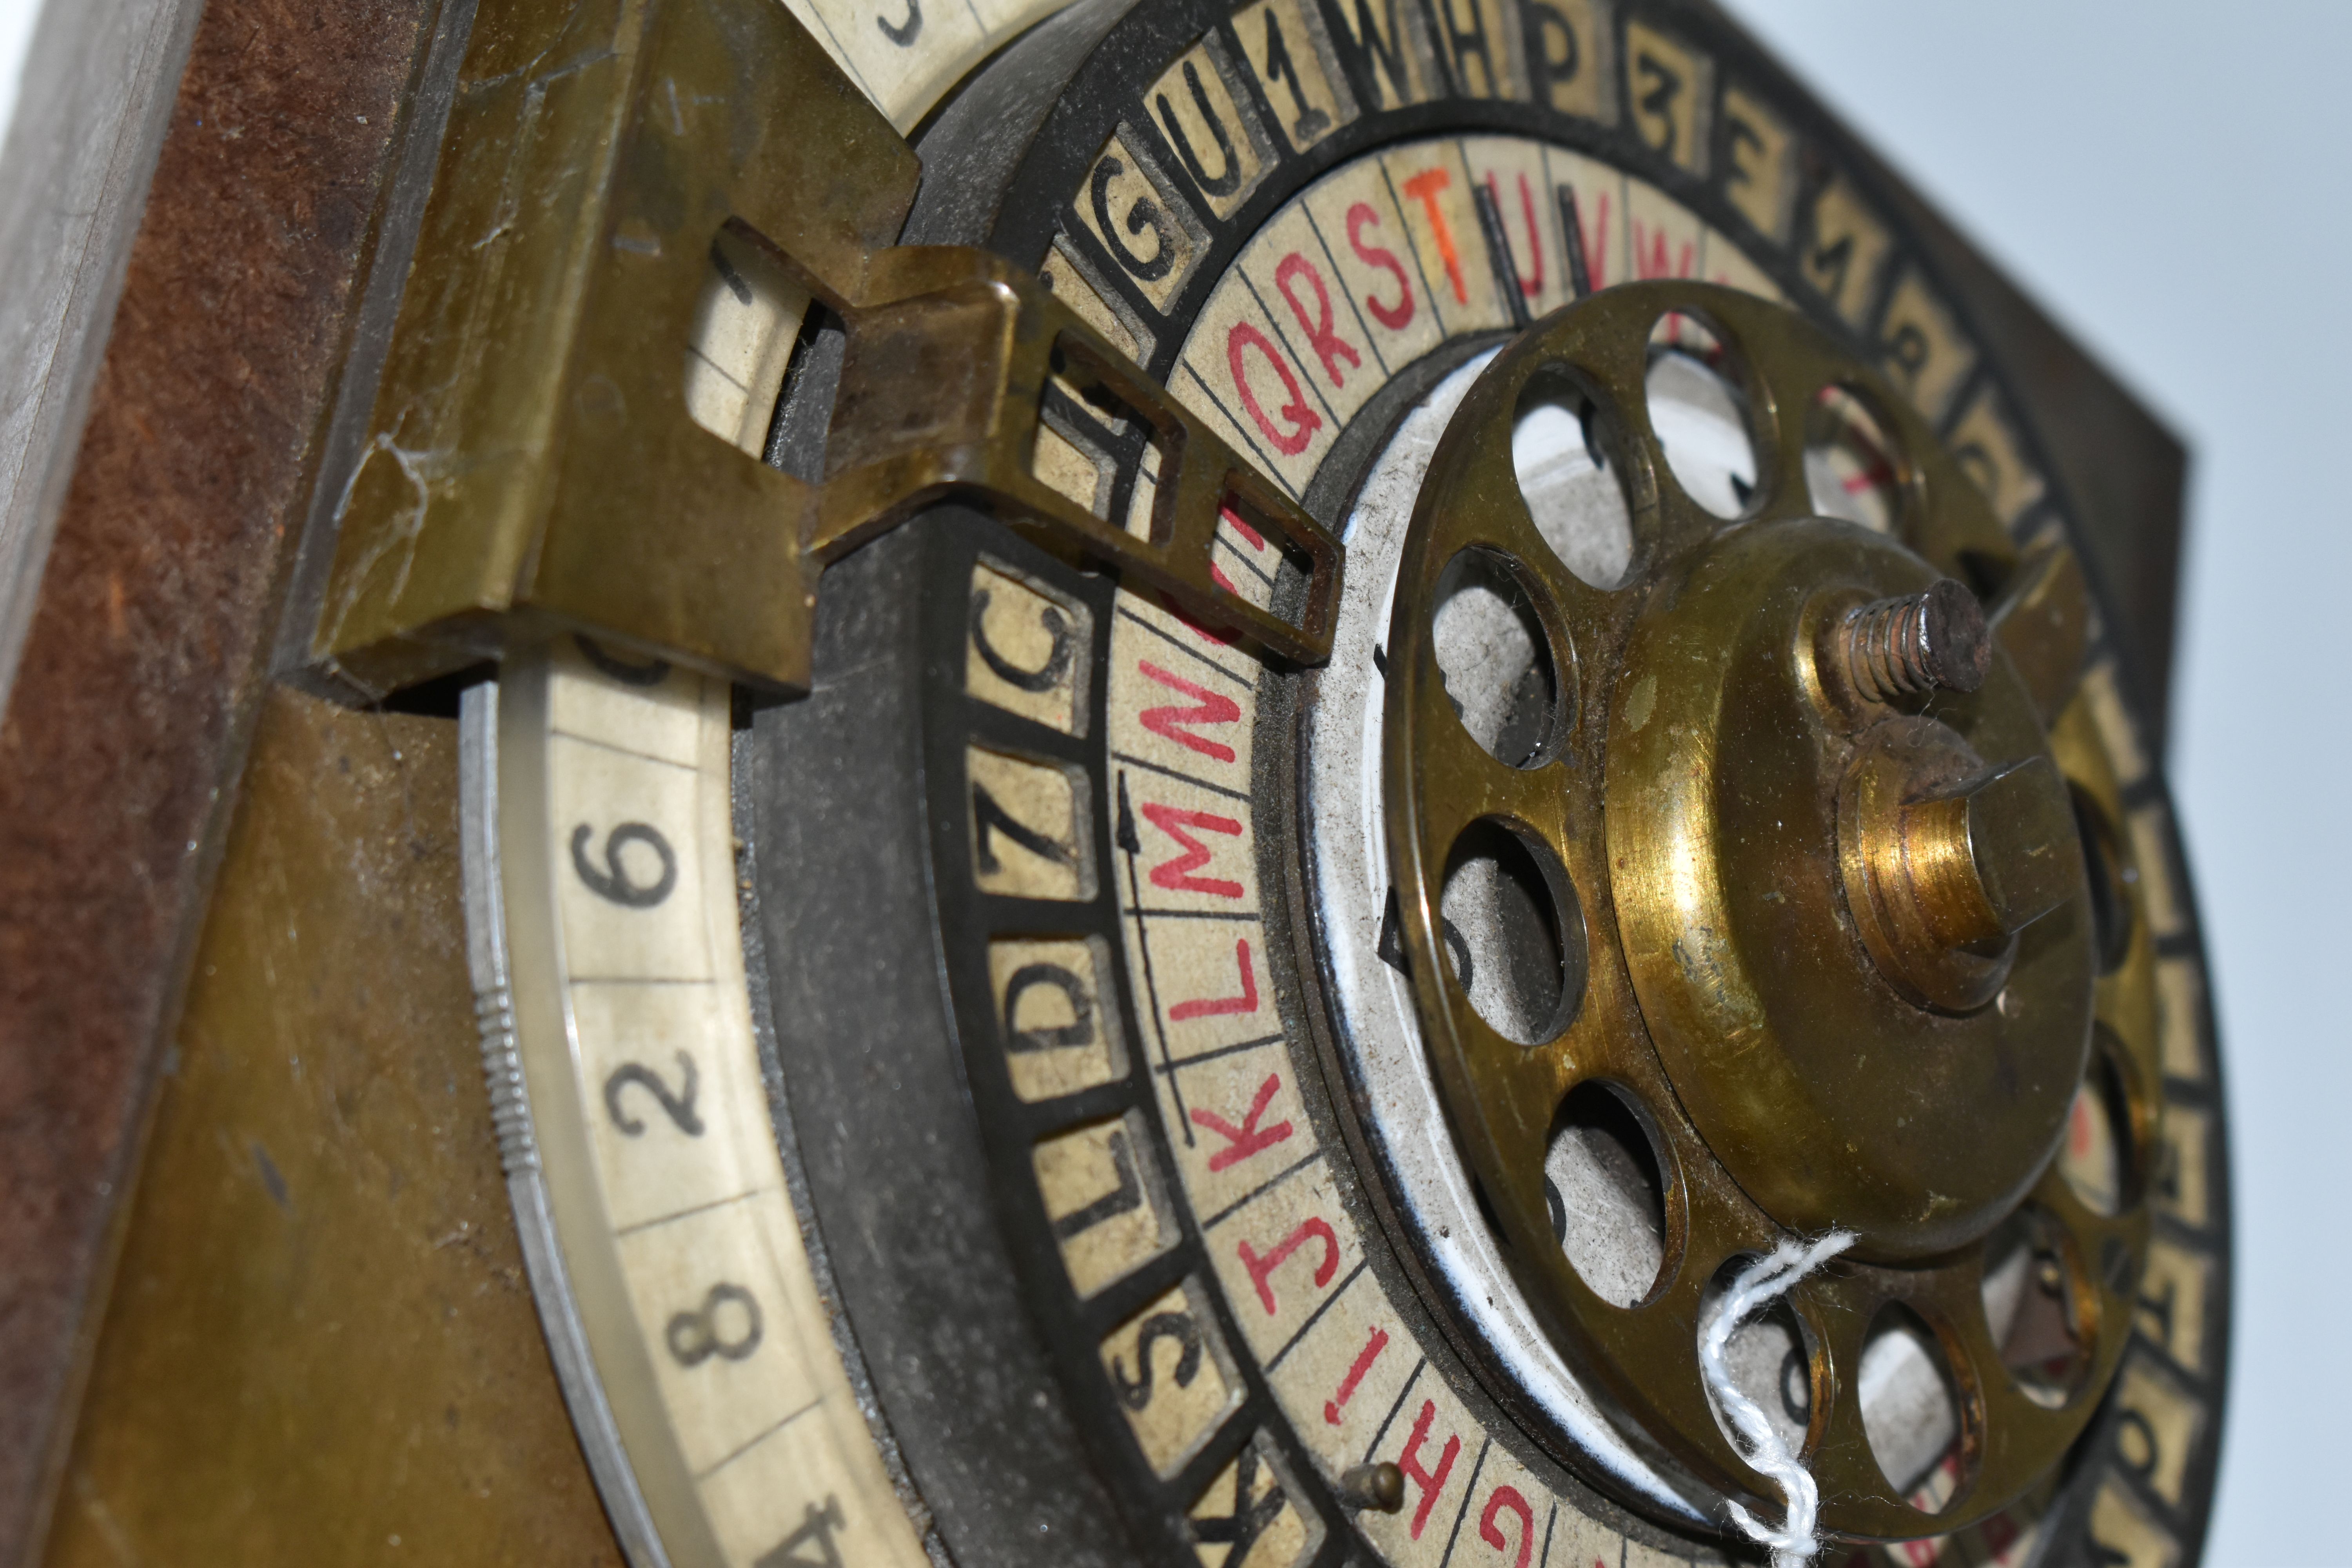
[613, 882]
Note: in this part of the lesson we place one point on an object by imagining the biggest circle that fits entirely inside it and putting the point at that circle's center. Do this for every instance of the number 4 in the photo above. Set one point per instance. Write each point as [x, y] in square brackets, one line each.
[811, 1545]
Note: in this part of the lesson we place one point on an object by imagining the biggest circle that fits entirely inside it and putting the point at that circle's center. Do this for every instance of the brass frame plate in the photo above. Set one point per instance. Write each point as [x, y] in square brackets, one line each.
[561, 263]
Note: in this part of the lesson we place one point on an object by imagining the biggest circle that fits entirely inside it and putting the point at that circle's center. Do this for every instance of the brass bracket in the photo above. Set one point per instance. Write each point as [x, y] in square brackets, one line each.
[532, 466]
[951, 354]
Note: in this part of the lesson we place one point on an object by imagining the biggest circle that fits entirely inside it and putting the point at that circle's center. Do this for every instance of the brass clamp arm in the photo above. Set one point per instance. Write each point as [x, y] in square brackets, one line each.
[534, 466]
[944, 390]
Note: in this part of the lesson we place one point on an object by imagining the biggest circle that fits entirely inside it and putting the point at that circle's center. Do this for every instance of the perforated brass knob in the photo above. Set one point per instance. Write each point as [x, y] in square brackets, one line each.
[1821, 816]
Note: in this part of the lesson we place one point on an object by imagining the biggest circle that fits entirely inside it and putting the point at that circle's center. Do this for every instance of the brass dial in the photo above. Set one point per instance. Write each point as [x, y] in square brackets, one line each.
[1730, 772]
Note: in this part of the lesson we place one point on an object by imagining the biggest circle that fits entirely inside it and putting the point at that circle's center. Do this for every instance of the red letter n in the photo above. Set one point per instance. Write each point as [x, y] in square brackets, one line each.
[1168, 722]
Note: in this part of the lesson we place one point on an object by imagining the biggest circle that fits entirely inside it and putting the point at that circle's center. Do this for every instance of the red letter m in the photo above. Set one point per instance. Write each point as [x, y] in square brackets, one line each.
[1177, 874]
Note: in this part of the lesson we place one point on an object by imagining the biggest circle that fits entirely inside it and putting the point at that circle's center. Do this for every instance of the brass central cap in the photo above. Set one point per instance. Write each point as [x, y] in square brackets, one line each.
[1849, 893]
[1946, 859]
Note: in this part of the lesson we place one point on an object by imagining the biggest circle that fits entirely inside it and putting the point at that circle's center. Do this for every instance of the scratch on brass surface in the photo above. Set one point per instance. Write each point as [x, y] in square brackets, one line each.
[420, 467]
[1700, 957]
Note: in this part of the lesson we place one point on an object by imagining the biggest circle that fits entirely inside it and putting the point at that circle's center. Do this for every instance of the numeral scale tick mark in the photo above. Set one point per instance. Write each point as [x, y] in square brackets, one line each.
[615, 746]
[1462, 1510]
[1390, 1419]
[756, 1440]
[1412, 245]
[1371, 339]
[710, 364]
[848, 61]
[1173, 641]
[686, 1213]
[1141, 910]
[1257, 1192]
[1298, 360]
[1180, 776]
[1266, 464]
[1233, 553]
[1236, 1049]
[640, 980]
[1315, 1317]
[1505, 266]
[1572, 235]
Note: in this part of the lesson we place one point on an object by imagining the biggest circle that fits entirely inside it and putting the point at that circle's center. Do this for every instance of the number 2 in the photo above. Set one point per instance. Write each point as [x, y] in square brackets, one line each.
[679, 1106]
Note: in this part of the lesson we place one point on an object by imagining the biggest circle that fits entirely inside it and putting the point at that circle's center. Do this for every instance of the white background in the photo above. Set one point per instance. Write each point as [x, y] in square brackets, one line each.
[15, 30]
[2170, 179]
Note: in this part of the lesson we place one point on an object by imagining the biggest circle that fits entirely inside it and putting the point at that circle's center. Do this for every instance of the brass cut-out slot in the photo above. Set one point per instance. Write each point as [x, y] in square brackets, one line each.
[1096, 448]
[741, 340]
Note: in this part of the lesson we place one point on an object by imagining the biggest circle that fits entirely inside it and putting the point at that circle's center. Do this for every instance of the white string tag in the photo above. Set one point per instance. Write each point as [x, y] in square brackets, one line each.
[1758, 1285]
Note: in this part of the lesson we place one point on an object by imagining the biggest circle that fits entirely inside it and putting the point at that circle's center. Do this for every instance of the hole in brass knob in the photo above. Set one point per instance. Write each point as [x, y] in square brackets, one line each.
[2036, 1308]
[1912, 1409]
[1574, 491]
[1606, 1188]
[1770, 1357]
[1514, 932]
[1852, 469]
[1700, 415]
[1496, 656]
[2098, 1158]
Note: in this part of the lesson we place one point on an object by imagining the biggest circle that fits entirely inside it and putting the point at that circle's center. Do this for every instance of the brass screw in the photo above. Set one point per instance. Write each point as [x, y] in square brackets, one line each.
[1898, 648]
[1377, 1486]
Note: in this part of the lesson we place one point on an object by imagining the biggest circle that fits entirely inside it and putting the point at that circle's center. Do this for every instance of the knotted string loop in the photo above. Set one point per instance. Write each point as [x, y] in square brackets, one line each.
[1758, 1285]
